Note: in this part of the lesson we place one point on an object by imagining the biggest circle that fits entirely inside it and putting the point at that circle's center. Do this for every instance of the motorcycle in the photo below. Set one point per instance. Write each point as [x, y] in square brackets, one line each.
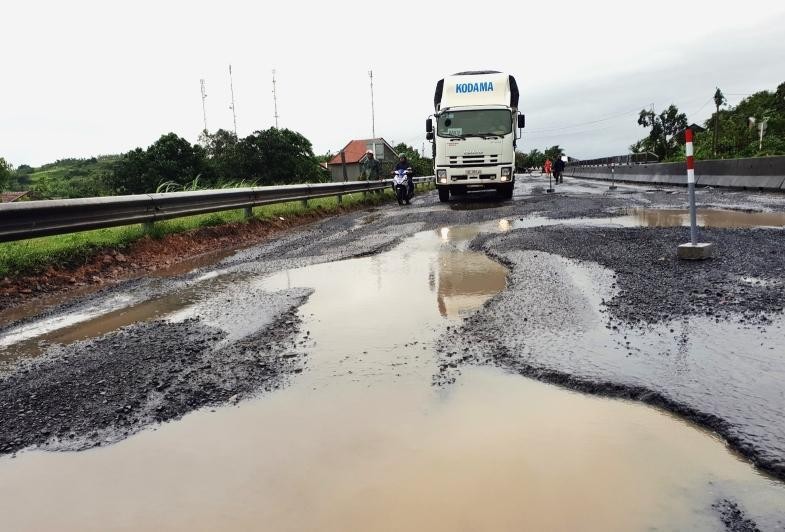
[404, 189]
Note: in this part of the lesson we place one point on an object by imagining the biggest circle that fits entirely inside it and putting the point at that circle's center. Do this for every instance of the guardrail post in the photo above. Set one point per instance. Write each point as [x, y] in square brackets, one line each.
[147, 227]
[305, 203]
[248, 212]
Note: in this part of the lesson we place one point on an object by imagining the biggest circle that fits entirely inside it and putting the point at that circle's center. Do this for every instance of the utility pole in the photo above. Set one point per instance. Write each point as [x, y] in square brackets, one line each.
[719, 99]
[204, 109]
[761, 132]
[373, 116]
[275, 101]
[373, 113]
[232, 107]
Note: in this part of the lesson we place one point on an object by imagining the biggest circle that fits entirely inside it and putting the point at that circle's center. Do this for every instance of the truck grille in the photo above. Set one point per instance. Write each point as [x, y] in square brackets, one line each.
[473, 160]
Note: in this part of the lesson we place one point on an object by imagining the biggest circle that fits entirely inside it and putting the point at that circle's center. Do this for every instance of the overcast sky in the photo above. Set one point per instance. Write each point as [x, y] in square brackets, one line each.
[83, 78]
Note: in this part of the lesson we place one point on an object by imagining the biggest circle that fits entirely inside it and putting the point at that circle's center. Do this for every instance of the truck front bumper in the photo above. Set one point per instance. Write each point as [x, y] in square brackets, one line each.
[481, 177]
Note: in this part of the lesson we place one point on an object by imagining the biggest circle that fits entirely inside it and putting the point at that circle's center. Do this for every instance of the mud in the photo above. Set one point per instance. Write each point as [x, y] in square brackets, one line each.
[734, 518]
[556, 322]
[99, 391]
[24, 293]
[655, 286]
[578, 308]
[361, 440]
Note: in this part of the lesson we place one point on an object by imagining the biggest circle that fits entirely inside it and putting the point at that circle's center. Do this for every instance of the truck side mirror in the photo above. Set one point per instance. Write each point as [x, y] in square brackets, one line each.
[429, 126]
[429, 135]
[521, 121]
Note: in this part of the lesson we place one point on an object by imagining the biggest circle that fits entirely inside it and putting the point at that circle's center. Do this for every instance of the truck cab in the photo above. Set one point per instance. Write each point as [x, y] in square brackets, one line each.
[474, 134]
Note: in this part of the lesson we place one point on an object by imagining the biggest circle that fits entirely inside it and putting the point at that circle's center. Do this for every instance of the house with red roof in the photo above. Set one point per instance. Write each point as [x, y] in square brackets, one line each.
[346, 165]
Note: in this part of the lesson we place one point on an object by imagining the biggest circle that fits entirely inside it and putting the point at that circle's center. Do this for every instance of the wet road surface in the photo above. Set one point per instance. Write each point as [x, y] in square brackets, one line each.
[392, 399]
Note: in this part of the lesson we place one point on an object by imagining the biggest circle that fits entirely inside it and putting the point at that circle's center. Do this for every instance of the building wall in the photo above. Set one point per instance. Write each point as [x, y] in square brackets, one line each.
[352, 172]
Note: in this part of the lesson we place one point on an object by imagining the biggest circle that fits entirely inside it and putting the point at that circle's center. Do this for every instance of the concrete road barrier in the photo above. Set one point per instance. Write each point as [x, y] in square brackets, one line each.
[764, 173]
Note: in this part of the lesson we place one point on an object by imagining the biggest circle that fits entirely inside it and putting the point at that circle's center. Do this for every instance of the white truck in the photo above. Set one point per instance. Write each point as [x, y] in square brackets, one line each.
[475, 132]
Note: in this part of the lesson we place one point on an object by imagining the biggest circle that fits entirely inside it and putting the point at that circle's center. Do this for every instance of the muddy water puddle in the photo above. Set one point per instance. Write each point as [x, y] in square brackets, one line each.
[721, 218]
[362, 440]
[121, 310]
[33, 338]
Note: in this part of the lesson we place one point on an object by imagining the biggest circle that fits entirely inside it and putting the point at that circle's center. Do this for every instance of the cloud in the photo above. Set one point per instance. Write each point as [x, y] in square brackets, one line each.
[85, 77]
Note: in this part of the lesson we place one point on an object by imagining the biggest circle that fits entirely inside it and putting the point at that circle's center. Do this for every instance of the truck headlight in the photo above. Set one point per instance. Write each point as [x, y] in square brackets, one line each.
[506, 173]
[441, 175]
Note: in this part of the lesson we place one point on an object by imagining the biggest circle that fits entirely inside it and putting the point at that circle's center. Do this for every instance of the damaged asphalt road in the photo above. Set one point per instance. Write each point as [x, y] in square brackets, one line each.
[100, 391]
[595, 307]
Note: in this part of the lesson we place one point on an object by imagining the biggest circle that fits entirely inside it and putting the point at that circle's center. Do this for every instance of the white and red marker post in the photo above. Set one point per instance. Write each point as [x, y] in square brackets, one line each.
[694, 250]
[691, 185]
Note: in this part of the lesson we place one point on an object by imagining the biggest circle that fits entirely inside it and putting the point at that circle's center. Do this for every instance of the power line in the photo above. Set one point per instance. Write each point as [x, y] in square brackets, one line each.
[569, 133]
[611, 117]
[701, 107]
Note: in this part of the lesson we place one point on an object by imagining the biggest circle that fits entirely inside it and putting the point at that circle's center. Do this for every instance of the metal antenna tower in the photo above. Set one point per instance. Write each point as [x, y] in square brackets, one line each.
[204, 110]
[232, 107]
[373, 113]
[275, 101]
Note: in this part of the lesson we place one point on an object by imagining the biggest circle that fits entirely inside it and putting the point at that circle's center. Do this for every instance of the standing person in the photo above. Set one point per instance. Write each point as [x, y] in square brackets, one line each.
[548, 166]
[371, 167]
[558, 169]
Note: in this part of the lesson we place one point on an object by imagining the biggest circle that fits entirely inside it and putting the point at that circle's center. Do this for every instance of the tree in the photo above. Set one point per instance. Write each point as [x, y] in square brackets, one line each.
[5, 174]
[638, 147]
[278, 156]
[170, 159]
[719, 99]
[665, 127]
[421, 165]
[554, 152]
[520, 161]
[535, 159]
[224, 155]
[738, 135]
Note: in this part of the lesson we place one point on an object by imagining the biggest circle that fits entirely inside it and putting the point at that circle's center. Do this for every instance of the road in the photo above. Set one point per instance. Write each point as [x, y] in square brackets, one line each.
[394, 368]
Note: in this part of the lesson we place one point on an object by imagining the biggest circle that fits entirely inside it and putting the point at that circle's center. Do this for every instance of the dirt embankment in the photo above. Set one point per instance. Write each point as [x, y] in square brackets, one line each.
[107, 266]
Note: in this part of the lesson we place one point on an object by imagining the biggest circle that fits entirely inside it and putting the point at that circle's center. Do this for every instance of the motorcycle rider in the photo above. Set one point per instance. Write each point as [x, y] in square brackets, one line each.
[403, 164]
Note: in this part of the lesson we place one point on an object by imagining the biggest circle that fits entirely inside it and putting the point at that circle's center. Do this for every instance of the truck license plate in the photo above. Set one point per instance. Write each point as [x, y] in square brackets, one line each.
[473, 173]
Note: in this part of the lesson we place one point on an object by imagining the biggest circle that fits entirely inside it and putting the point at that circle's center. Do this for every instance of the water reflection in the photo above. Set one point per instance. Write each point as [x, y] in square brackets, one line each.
[466, 281]
[706, 218]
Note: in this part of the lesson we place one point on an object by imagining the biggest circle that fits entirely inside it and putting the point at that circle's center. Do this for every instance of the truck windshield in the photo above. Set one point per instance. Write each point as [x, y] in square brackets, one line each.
[476, 123]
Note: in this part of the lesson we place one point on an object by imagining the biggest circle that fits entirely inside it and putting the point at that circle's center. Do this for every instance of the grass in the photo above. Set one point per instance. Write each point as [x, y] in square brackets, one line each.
[68, 168]
[32, 256]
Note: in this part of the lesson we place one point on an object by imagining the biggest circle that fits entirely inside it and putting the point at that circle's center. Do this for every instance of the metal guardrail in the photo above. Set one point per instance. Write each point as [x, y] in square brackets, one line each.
[54, 217]
[629, 159]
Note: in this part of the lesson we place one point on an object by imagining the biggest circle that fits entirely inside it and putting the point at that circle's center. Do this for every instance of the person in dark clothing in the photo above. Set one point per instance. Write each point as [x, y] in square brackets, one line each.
[403, 164]
[558, 169]
[371, 167]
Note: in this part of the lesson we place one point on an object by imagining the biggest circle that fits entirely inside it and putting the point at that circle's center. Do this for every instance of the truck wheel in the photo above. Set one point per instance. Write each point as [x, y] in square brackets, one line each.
[444, 194]
[505, 192]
